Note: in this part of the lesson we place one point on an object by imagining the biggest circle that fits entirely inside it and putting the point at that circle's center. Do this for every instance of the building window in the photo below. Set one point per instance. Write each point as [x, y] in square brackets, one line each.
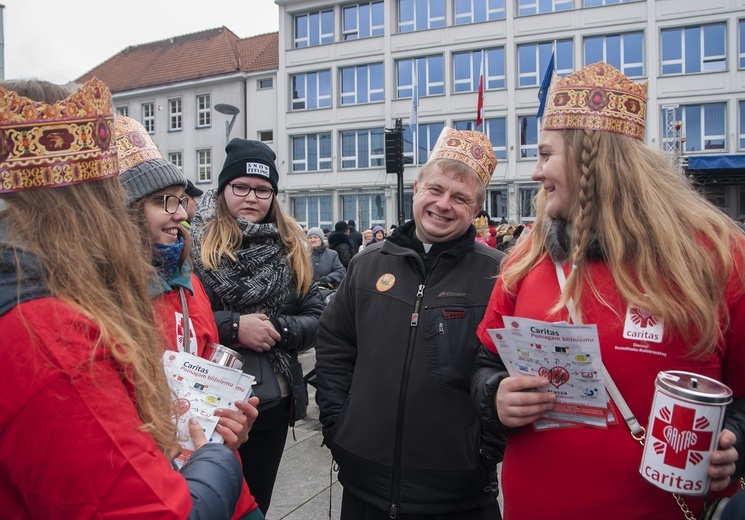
[526, 7]
[742, 44]
[266, 135]
[430, 76]
[495, 129]
[314, 28]
[204, 111]
[528, 136]
[204, 165]
[742, 125]
[363, 21]
[148, 117]
[313, 211]
[311, 152]
[694, 49]
[265, 83]
[174, 114]
[498, 205]
[418, 15]
[367, 209]
[362, 84]
[467, 70]
[597, 3]
[533, 61]
[362, 149]
[176, 159]
[623, 51]
[311, 90]
[526, 196]
[705, 126]
[122, 110]
[426, 137]
[474, 11]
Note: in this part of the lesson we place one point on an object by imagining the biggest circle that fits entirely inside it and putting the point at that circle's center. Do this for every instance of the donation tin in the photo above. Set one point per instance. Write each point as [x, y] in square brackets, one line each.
[683, 429]
[223, 355]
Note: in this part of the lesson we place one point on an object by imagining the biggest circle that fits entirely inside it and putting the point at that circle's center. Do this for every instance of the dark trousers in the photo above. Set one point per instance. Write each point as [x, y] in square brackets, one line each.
[262, 453]
[352, 508]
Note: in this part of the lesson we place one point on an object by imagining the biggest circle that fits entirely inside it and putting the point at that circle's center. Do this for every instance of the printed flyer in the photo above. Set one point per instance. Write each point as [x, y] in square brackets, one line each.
[569, 357]
[200, 387]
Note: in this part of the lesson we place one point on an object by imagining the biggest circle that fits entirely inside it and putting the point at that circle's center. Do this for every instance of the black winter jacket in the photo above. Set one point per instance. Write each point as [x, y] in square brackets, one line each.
[343, 245]
[394, 358]
[296, 322]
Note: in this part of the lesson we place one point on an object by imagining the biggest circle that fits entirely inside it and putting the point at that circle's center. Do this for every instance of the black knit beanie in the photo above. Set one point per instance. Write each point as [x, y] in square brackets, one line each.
[247, 157]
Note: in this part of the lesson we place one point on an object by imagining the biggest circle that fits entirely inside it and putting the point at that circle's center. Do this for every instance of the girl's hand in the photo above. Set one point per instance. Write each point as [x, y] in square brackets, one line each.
[518, 403]
[256, 332]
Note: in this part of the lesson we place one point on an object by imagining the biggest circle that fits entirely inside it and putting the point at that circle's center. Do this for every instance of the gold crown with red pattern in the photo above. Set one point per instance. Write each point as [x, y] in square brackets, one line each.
[597, 97]
[470, 147]
[134, 144]
[46, 146]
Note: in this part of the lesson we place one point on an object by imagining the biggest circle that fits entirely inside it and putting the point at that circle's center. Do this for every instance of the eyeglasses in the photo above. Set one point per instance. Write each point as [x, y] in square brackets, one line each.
[241, 190]
[172, 202]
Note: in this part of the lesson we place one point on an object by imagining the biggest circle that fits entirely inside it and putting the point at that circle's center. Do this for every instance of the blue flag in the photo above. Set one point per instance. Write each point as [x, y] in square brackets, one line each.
[545, 84]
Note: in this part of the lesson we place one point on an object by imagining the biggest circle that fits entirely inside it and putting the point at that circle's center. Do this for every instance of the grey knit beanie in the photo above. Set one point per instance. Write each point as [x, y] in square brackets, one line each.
[316, 231]
[150, 177]
[142, 169]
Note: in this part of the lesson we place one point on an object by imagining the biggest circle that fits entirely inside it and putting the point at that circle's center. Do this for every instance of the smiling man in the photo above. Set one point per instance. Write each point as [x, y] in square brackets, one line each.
[394, 399]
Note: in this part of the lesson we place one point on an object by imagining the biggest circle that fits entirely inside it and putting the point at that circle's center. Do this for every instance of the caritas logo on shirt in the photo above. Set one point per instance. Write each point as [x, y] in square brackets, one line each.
[641, 325]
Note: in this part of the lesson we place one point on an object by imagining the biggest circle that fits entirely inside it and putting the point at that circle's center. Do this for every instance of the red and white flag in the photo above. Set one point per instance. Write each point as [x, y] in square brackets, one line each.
[480, 103]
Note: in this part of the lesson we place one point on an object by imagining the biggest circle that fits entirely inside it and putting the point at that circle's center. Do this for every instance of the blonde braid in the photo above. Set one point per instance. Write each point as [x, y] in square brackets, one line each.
[584, 224]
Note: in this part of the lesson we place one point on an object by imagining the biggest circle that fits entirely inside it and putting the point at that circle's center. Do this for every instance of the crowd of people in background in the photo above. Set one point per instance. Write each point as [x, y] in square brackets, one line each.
[110, 258]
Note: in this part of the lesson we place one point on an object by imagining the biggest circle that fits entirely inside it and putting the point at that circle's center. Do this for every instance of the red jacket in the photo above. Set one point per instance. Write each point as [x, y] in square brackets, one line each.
[202, 331]
[589, 472]
[62, 416]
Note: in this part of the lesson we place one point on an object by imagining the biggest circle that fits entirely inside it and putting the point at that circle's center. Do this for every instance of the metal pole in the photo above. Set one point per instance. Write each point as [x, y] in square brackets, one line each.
[400, 178]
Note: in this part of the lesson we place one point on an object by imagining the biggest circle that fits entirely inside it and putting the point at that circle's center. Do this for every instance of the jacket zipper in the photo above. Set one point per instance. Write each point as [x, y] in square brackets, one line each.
[396, 484]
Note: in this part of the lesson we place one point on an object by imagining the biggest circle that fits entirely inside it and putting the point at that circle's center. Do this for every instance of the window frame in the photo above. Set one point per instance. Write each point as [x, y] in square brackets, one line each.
[148, 116]
[528, 150]
[372, 160]
[323, 38]
[175, 117]
[682, 62]
[431, 131]
[370, 76]
[204, 168]
[179, 162]
[500, 150]
[370, 27]
[475, 10]
[413, 24]
[320, 97]
[741, 114]
[261, 86]
[537, 75]
[622, 65]
[204, 110]
[536, 5]
[426, 88]
[324, 208]
[474, 70]
[321, 159]
[122, 110]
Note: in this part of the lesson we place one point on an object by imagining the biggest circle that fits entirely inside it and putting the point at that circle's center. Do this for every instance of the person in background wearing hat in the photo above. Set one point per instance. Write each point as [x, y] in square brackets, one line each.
[327, 269]
[367, 238]
[378, 234]
[354, 235]
[340, 242]
[394, 400]
[611, 246]
[192, 194]
[155, 197]
[254, 262]
[86, 421]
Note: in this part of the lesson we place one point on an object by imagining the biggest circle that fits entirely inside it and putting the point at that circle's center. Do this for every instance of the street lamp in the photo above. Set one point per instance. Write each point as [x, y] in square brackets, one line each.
[229, 110]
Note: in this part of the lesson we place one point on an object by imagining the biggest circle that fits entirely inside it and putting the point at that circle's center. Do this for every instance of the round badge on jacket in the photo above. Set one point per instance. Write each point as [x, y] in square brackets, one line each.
[385, 282]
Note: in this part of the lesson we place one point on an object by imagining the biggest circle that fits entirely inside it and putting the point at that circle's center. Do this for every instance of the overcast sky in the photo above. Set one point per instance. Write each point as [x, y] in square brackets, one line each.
[60, 40]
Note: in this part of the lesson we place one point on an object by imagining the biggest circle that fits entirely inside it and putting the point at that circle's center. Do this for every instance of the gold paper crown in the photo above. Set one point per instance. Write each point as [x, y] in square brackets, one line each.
[481, 223]
[134, 144]
[597, 97]
[46, 146]
[469, 147]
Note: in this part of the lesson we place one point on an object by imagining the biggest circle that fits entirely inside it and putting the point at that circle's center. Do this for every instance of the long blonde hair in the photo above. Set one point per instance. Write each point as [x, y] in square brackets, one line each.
[222, 236]
[92, 261]
[669, 250]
